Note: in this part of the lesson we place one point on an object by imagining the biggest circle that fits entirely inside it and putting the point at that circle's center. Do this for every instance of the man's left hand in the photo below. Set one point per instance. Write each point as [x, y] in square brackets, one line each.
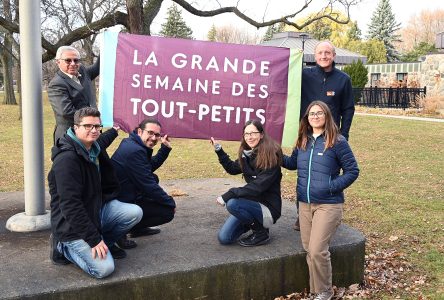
[166, 141]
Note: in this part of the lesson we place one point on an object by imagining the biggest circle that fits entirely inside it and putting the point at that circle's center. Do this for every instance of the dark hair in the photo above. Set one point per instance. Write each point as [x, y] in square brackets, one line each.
[331, 131]
[148, 121]
[85, 112]
[269, 153]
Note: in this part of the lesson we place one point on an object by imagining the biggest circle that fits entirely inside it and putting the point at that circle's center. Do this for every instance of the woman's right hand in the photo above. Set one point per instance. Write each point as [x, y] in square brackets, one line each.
[216, 144]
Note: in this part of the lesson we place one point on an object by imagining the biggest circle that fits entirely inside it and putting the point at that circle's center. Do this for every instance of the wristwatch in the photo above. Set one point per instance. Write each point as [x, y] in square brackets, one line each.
[217, 147]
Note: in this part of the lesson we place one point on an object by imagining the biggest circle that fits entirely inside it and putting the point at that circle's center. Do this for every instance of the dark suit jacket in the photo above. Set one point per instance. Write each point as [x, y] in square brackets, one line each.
[67, 96]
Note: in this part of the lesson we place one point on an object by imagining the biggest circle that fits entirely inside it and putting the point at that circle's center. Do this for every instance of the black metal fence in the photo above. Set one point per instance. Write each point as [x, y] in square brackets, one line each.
[389, 97]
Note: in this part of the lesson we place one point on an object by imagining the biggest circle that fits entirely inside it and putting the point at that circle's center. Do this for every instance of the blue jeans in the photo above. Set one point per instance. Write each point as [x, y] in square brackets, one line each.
[117, 219]
[243, 213]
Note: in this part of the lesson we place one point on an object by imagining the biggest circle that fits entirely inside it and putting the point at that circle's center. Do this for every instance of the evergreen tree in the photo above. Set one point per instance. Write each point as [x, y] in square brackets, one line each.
[359, 76]
[175, 25]
[422, 49]
[321, 30]
[383, 27]
[275, 28]
[211, 36]
[358, 73]
[354, 33]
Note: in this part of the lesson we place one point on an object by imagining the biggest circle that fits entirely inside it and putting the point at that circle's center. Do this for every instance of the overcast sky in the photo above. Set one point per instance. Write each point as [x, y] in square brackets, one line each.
[402, 9]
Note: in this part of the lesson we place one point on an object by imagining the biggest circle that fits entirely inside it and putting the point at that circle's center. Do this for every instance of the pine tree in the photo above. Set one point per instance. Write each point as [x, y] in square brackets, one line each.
[383, 27]
[354, 33]
[359, 76]
[175, 25]
[358, 73]
[275, 28]
[211, 36]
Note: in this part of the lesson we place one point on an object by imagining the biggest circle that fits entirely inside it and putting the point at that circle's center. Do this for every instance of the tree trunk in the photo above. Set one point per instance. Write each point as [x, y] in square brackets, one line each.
[149, 13]
[6, 58]
[135, 16]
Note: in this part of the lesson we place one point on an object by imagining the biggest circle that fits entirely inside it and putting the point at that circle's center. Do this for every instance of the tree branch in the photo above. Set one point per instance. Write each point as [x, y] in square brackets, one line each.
[325, 13]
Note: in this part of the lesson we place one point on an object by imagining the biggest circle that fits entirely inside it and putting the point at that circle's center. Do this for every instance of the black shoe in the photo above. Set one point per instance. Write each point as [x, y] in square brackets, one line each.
[56, 257]
[116, 252]
[125, 243]
[260, 236]
[143, 231]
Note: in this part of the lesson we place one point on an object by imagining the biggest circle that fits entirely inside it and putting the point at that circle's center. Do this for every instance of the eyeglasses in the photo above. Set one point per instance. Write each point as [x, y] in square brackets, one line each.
[318, 114]
[152, 133]
[89, 127]
[70, 60]
[254, 133]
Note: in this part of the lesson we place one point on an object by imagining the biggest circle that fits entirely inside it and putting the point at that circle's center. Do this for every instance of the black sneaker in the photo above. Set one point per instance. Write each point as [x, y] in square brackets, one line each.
[143, 231]
[116, 252]
[258, 237]
[56, 257]
[125, 243]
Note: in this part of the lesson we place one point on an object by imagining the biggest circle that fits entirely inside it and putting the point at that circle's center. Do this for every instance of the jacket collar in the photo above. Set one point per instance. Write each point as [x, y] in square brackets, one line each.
[321, 70]
[92, 153]
[71, 81]
[136, 138]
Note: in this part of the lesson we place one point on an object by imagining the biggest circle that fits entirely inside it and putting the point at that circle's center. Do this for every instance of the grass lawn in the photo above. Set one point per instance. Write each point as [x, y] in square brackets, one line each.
[398, 200]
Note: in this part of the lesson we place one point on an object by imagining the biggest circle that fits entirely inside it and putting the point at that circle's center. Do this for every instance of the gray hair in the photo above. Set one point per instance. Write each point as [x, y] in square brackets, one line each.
[85, 112]
[328, 42]
[64, 49]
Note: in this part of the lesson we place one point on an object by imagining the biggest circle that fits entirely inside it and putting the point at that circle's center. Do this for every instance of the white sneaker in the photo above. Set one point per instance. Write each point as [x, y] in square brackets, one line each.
[327, 295]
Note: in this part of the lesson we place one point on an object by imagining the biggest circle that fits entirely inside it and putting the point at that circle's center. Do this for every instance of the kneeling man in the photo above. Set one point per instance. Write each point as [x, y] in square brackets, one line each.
[86, 217]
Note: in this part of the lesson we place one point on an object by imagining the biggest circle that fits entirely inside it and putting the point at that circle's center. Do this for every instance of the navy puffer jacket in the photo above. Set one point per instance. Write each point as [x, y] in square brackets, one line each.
[319, 177]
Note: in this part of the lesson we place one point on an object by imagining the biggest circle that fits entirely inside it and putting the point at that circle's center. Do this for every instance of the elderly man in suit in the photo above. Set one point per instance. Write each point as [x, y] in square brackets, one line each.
[71, 88]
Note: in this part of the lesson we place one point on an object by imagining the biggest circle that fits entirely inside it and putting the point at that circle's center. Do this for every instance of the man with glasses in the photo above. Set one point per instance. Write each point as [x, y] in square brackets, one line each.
[71, 88]
[135, 165]
[86, 217]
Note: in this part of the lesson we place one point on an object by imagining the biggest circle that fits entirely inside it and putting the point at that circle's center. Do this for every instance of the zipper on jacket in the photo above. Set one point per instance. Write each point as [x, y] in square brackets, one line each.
[309, 171]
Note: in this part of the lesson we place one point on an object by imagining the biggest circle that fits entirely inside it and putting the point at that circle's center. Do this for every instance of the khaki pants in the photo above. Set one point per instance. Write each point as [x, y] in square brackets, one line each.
[318, 224]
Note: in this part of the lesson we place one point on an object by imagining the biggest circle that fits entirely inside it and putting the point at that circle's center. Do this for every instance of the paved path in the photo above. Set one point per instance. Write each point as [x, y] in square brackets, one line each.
[184, 261]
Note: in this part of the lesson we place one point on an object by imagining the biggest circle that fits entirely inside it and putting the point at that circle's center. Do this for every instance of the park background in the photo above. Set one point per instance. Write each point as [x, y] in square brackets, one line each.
[397, 201]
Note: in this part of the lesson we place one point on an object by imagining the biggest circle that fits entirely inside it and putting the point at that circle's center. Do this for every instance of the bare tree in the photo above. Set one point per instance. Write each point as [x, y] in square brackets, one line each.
[7, 56]
[231, 34]
[152, 7]
[65, 22]
[422, 28]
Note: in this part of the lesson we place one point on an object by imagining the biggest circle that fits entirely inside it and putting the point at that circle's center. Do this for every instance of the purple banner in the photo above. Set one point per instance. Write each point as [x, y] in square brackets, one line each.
[199, 89]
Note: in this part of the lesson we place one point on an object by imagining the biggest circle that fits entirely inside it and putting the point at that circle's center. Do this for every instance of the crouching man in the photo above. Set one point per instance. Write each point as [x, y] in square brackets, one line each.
[86, 217]
[135, 165]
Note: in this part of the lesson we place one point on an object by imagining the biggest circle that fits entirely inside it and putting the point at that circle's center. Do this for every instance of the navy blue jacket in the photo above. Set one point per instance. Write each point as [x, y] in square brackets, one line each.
[263, 186]
[319, 178]
[135, 165]
[78, 189]
[335, 89]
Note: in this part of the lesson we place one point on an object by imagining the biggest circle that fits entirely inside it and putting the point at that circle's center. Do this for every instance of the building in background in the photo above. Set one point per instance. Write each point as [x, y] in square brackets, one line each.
[303, 41]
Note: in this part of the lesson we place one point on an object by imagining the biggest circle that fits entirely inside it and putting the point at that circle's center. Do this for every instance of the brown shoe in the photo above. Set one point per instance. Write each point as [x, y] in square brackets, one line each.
[296, 226]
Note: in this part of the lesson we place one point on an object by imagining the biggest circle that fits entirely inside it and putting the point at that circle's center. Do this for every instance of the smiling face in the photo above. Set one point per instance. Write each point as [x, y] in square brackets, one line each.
[316, 119]
[150, 134]
[325, 55]
[70, 68]
[252, 136]
[88, 136]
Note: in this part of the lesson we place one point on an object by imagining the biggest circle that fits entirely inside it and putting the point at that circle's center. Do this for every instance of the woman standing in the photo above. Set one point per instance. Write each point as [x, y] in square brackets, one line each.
[319, 156]
[257, 205]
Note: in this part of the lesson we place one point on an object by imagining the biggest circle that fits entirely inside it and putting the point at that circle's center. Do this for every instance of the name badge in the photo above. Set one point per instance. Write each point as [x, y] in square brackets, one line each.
[330, 93]
[320, 153]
